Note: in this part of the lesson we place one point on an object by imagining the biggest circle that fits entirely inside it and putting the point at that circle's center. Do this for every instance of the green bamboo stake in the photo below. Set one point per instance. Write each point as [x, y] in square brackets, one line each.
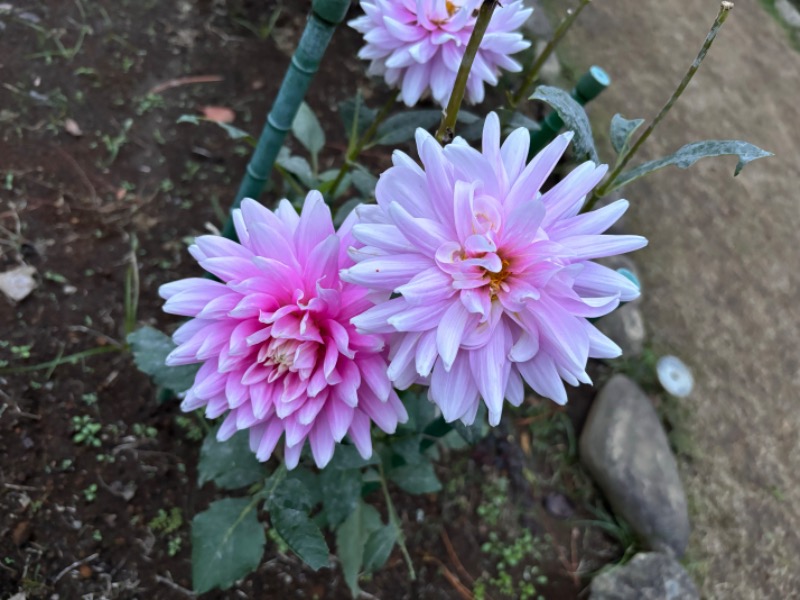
[325, 16]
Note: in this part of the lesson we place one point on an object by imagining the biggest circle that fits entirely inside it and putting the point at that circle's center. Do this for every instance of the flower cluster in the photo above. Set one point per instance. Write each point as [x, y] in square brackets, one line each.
[475, 276]
[417, 45]
[279, 354]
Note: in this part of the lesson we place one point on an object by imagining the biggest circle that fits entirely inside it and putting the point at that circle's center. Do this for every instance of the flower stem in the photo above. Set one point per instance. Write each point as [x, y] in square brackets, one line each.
[394, 520]
[532, 74]
[623, 159]
[447, 127]
[355, 149]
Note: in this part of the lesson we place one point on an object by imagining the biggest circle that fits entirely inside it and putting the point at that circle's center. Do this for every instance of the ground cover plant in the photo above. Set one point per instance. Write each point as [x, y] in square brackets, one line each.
[418, 297]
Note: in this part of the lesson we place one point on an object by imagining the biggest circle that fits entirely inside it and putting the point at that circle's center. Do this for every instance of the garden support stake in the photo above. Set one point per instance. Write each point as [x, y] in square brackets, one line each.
[325, 16]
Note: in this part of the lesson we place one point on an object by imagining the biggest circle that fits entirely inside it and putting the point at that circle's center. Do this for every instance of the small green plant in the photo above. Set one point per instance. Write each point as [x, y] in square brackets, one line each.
[191, 429]
[89, 399]
[86, 431]
[495, 498]
[167, 525]
[115, 143]
[90, 493]
[509, 556]
[144, 431]
[21, 351]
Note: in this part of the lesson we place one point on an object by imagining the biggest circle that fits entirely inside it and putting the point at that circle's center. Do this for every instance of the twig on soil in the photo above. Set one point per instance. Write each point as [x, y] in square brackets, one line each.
[451, 552]
[22, 488]
[81, 173]
[74, 565]
[178, 588]
[172, 83]
[451, 577]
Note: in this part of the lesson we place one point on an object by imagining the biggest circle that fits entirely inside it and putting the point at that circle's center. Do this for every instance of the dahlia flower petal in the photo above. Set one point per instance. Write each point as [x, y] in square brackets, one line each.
[540, 373]
[359, 434]
[454, 391]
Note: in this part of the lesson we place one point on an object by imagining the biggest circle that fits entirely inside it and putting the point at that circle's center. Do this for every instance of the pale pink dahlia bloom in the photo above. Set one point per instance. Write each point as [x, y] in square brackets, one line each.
[278, 352]
[493, 279]
[418, 45]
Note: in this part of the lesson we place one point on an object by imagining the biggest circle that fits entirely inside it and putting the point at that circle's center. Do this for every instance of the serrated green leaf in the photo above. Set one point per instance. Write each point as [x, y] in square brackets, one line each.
[351, 538]
[150, 348]
[419, 478]
[227, 544]
[311, 484]
[301, 535]
[421, 411]
[307, 129]
[341, 492]
[286, 491]
[621, 131]
[356, 115]
[231, 464]
[408, 448]
[574, 117]
[379, 547]
[401, 127]
[691, 153]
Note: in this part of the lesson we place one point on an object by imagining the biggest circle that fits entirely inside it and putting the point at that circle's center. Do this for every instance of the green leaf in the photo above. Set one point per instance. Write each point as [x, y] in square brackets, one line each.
[421, 411]
[515, 120]
[233, 132]
[297, 166]
[289, 502]
[621, 131]
[231, 464]
[356, 116]
[347, 457]
[574, 117]
[379, 547]
[150, 348]
[301, 535]
[307, 129]
[408, 448]
[691, 153]
[344, 211]
[364, 181]
[351, 539]
[479, 429]
[402, 127]
[341, 492]
[419, 478]
[227, 543]
[470, 126]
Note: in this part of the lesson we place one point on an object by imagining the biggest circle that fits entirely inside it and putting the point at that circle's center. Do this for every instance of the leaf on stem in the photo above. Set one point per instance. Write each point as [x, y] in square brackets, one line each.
[150, 348]
[691, 153]
[356, 116]
[402, 127]
[307, 129]
[233, 132]
[230, 464]
[621, 131]
[351, 540]
[418, 478]
[227, 544]
[574, 117]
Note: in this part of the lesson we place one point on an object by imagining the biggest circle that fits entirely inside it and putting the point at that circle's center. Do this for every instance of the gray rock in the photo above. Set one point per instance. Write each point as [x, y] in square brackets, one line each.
[649, 576]
[788, 12]
[624, 448]
[626, 327]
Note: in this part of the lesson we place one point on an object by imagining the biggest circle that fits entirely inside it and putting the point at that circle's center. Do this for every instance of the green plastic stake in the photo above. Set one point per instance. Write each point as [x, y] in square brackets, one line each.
[325, 16]
[589, 86]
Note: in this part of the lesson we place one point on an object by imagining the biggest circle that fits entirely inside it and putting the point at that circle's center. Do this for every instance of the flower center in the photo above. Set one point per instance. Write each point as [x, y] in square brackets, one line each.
[279, 353]
[451, 8]
[496, 280]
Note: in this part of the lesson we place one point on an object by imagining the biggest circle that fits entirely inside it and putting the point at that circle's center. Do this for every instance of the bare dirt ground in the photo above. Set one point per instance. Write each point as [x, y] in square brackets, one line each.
[720, 274]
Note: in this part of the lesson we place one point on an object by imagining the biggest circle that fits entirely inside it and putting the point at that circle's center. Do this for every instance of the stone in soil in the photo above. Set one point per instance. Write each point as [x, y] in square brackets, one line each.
[788, 12]
[626, 327]
[648, 576]
[625, 449]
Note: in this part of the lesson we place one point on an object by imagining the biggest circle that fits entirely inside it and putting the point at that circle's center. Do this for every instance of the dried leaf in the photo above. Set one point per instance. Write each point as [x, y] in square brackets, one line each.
[218, 114]
[72, 128]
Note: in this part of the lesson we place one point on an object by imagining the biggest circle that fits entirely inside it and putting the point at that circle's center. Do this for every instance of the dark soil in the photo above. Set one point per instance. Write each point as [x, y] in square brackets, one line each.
[76, 517]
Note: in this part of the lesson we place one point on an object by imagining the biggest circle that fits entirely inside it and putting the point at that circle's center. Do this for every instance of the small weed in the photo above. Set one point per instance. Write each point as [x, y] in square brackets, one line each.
[495, 498]
[90, 493]
[89, 399]
[21, 351]
[507, 556]
[114, 144]
[105, 458]
[86, 431]
[142, 431]
[97, 536]
[148, 103]
[167, 524]
[191, 429]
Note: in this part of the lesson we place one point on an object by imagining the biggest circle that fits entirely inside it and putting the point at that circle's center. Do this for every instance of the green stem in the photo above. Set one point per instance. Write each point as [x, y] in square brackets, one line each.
[530, 77]
[355, 150]
[622, 161]
[394, 520]
[447, 127]
[71, 359]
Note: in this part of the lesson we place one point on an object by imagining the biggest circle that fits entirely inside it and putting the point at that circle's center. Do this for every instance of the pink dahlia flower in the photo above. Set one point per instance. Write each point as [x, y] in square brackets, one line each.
[418, 45]
[278, 352]
[494, 280]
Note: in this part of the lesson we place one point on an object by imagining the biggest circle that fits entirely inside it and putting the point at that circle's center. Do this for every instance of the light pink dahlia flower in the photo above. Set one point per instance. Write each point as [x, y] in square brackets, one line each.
[494, 279]
[278, 352]
[418, 45]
